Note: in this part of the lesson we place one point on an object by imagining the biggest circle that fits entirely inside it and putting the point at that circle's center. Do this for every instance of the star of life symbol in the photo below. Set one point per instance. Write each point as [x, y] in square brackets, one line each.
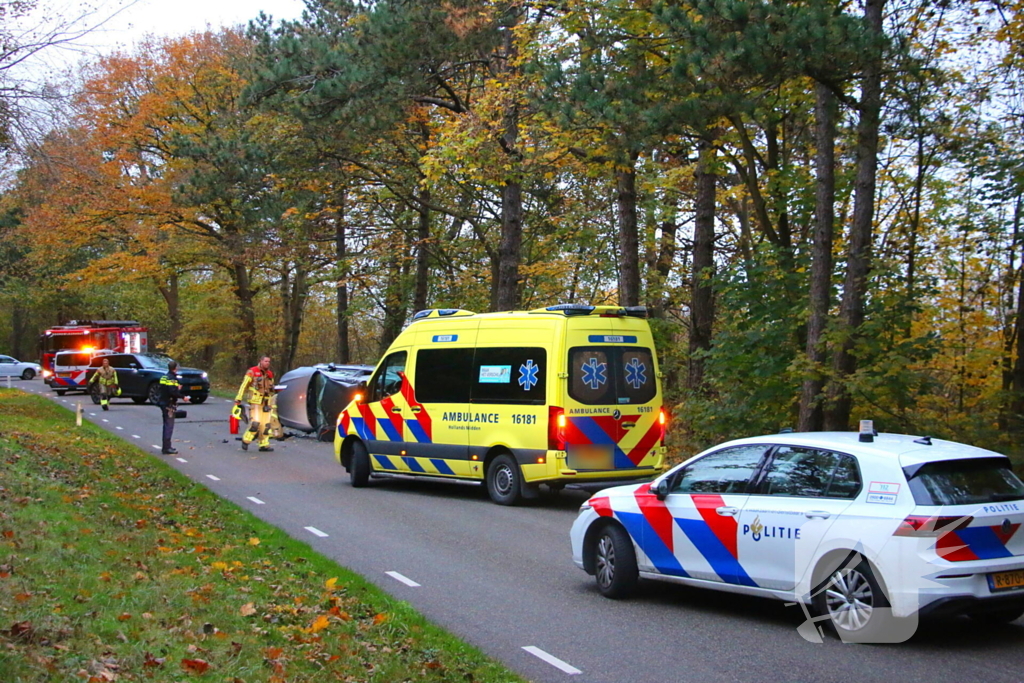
[528, 375]
[594, 374]
[635, 376]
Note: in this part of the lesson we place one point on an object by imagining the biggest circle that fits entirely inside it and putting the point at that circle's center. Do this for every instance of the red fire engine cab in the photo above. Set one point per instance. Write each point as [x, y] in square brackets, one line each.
[120, 336]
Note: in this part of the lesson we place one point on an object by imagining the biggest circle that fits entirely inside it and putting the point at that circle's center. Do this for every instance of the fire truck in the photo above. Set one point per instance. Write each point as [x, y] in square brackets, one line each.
[120, 336]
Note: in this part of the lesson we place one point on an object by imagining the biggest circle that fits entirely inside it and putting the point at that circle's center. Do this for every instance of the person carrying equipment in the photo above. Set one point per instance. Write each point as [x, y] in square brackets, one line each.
[259, 383]
[106, 378]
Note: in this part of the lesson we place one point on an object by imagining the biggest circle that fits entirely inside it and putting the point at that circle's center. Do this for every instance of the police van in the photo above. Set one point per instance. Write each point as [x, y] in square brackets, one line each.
[557, 395]
[71, 370]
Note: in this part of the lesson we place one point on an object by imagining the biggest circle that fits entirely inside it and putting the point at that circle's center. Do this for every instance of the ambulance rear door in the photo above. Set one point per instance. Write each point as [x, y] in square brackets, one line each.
[613, 401]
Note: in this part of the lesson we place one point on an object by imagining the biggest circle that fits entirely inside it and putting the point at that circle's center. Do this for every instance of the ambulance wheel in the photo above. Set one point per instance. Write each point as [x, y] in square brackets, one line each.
[503, 480]
[359, 466]
[615, 562]
[153, 393]
[61, 392]
[138, 400]
[94, 394]
[198, 398]
[28, 374]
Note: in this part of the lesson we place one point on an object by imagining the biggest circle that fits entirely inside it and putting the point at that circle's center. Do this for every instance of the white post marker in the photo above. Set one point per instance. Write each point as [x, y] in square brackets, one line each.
[552, 660]
[78, 415]
[8, 381]
[403, 579]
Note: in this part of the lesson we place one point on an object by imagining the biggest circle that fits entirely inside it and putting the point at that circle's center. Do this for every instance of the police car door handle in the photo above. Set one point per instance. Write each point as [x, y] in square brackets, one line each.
[822, 514]
[727, 511]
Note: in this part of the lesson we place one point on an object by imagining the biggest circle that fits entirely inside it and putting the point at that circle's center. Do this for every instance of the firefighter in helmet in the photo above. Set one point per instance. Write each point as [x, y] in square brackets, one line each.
[257, 388]
[106, 378]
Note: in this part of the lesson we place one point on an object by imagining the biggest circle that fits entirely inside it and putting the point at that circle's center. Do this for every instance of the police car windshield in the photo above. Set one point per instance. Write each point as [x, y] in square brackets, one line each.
[154, 361]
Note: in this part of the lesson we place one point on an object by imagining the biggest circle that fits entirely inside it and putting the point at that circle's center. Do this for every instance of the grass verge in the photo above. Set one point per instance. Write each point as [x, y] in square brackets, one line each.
[115, 567]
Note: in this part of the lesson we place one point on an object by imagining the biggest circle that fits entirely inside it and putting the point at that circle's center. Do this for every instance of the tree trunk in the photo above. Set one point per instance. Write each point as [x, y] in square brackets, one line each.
[169, 291]
[851, 312]
[17, 336]
[295, 291]
[341, 289]
[246, 317]
[395, 300]
[702, 312]
[419, 299]
[629, 243]
[507, 294]
[1015, 420]
[663, 268]
[811, 413]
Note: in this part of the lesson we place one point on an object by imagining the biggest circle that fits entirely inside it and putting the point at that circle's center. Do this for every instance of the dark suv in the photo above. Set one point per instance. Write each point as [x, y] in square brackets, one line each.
[138, 375]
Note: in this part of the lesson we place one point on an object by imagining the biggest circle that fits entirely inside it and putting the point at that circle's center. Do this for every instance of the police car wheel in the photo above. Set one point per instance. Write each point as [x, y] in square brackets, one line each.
[359, 466]
[503, 480]
[614, 562]
[854, 603]
[28, 374]
[61, 392]
[154, 393]
[198, 398]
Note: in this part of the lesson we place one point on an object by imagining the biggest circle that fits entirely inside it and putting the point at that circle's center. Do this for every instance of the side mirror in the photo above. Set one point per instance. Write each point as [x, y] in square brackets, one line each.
[661, 489]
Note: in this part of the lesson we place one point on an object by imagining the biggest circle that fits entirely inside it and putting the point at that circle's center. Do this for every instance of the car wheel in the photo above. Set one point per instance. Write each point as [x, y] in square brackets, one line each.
[94, 394]
[503, 480]
[359, 466]
[199, 398]
[153, 393]
[138, 400]
[615, 562]
[61, 392]
[28, 374]
[853, 601]
[999, 616]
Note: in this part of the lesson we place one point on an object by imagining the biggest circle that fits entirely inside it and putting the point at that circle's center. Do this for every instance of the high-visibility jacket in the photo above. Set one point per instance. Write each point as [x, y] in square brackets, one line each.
[105, 376]
[260, 386]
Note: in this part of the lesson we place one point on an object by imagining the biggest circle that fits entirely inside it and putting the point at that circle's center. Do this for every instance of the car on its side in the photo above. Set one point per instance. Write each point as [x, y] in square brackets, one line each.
[309, 398]
[11, 367]
[138, 376]
[867, 532]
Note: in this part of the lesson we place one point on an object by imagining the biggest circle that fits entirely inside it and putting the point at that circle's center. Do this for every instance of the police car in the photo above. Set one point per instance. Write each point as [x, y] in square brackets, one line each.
[867, 532]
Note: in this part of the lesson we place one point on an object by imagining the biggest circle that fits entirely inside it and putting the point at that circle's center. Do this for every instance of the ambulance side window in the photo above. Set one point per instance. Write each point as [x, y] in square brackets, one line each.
[388, 379]
[443, 375]
[509, 375]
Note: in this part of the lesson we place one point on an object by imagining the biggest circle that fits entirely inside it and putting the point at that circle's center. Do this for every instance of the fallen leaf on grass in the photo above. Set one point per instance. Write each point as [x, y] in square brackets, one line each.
[254, 541]
[247, 610]
[197, 666]
[319, 624]
[380, 619]
[330, 583]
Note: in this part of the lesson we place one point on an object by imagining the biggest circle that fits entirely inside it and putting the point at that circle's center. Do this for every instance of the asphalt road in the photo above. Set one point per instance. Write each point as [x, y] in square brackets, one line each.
[503, 579]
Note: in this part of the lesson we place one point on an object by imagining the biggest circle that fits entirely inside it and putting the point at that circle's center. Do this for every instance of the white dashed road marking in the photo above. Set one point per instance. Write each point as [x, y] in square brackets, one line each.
[316, 532]
[121, 428]
[136, 436]
[212, 478]
[105, 419]
[404, 579]
[92, 414]
[181, 459]
[552, 660]
[256, 500]
[155, 446]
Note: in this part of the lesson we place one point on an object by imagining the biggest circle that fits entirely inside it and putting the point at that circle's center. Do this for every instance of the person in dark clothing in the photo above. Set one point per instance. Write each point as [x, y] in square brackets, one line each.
[170, 392]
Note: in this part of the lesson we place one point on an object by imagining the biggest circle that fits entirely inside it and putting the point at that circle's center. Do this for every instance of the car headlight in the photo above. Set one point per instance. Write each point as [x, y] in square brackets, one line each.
[204, 375]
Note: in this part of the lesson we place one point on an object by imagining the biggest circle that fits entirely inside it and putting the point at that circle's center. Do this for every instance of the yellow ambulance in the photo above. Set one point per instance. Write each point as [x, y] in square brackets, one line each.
[568, 393]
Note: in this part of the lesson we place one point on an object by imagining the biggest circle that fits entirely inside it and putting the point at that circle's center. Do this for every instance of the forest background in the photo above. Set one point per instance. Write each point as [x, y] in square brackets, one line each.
[819, 202]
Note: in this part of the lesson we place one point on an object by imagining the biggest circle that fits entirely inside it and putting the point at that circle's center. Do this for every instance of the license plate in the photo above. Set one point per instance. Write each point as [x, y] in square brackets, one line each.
[590, 457]
[197, 388]
[1006, 581]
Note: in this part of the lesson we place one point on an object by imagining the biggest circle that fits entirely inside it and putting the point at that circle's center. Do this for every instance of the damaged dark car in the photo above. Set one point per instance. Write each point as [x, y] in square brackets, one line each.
[310, 398]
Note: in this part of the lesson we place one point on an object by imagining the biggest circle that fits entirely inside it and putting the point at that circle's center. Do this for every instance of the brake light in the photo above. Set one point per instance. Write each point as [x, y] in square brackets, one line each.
[556, 428]
[924, 526]
[663, 421]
